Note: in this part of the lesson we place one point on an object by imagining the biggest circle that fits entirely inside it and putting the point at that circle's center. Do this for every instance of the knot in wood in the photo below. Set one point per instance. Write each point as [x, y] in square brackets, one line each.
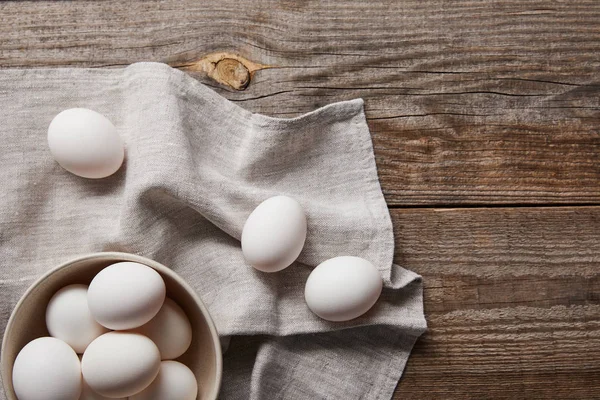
[233, 73]
[228, 69]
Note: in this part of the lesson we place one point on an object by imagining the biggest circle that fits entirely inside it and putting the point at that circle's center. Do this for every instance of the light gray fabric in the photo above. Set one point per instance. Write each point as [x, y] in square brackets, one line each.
[196, 166]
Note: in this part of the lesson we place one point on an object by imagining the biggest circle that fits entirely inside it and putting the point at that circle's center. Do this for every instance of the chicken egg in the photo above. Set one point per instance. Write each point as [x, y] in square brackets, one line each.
[47, 369]
[126, 295]
[342, 288]
[174, 381]
[85, 143]
[88, 394]
[170, 330]
[274, 234]
[68, 318]
[120, 364]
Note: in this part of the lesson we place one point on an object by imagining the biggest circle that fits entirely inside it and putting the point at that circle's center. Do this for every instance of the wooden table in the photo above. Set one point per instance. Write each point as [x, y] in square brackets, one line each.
[485, 117]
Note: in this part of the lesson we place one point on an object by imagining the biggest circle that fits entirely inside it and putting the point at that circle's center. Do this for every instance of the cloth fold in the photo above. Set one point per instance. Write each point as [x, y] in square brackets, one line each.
[196, 165]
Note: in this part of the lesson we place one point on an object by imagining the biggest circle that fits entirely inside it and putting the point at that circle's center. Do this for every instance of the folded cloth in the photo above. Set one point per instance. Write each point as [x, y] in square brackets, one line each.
[196, 166]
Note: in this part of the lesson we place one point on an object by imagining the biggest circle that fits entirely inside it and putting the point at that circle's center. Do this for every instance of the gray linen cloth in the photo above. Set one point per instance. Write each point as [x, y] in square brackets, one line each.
[196, 166]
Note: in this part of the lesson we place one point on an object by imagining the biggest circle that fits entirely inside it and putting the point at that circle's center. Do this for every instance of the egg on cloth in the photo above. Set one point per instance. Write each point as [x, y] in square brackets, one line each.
[175, 381]
[170, 330]
[126, 295]
[47, 369]
[85, 143]
[68, 318]
[342, 288]
[120, 364]
[274, 234]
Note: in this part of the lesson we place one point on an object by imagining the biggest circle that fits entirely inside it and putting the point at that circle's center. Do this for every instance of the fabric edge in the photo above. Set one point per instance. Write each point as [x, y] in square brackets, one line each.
[378, 203]
[389, 379]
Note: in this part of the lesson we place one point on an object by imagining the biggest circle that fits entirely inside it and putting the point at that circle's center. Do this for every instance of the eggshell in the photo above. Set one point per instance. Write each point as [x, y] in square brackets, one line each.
[85, 143]
[175, 381]
[88, 394]
[274, 234]
[170, 330]
[342, 288]
[47, 369]
[120, 364]
[68, 318]
[126, 295]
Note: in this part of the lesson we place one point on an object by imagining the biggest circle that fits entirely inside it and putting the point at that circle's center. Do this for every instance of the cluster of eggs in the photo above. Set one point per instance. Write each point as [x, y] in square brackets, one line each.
[87, 144]
[116, 338]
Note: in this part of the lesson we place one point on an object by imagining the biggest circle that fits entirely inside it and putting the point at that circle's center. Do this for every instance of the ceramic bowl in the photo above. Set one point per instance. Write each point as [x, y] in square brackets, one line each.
[27, 320]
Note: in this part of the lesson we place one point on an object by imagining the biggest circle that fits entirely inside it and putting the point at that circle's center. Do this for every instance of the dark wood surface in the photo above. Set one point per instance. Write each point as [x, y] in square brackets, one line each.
[485, 118]
[512, 302]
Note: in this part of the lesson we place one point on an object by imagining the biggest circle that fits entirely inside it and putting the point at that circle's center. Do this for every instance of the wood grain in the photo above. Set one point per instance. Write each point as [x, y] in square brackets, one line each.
[512, 299]
[470, 102]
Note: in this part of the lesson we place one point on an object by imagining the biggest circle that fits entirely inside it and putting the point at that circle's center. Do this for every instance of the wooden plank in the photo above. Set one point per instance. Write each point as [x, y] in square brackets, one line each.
[512, 299]
[469, 102]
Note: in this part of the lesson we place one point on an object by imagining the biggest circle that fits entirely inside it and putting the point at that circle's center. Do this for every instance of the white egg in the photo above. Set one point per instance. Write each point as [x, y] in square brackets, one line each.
[85, 143]
[175, 381]
[47, 369]
[68, 318]
[120, 364]
[170, 330]
[88, 394]
[126, 295]
[274, 234]
[342, 288]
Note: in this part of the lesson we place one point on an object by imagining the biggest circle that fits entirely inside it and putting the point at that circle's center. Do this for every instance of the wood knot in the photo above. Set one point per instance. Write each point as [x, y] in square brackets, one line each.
[226, 68]
[233, 72]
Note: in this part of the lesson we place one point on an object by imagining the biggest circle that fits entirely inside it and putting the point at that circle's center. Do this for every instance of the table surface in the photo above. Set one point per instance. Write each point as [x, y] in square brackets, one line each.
[485, 117]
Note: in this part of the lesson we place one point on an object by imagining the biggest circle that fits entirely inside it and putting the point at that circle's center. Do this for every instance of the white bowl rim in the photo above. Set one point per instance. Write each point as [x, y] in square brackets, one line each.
[124, 257]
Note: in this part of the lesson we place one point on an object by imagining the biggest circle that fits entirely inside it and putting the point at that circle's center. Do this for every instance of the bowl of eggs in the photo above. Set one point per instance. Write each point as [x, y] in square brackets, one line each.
[110, 326]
